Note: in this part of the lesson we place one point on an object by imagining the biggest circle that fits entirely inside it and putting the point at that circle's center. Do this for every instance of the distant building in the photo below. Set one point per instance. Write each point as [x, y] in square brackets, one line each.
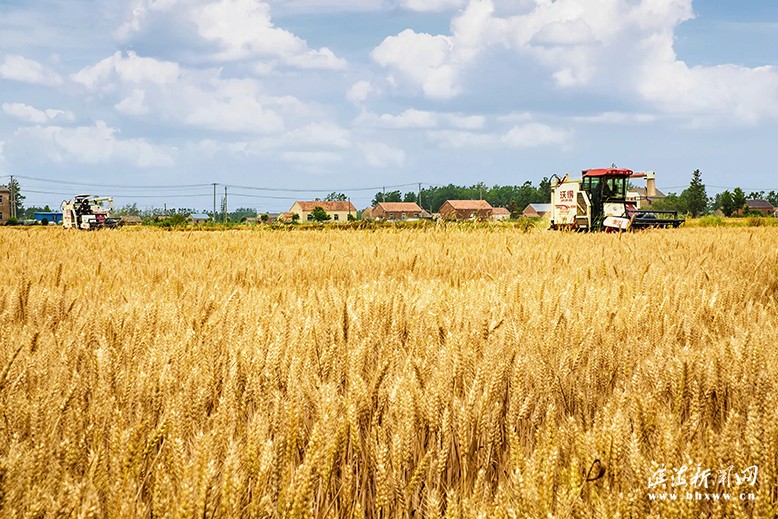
[131, 219]
[49, 216]
[396, 211]
[5, 204]
[536, 210]
[466, 210]
[762, 207]
[500, 213]
[367, 214]
[200, 218]
[338, 211]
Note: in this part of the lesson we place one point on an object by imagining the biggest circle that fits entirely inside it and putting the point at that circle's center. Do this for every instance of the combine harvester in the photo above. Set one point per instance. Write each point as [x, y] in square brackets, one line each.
[600, 201]
[88, 212]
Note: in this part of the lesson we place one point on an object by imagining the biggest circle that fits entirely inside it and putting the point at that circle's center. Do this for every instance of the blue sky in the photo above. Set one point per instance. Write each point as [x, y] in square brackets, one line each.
[304, 97]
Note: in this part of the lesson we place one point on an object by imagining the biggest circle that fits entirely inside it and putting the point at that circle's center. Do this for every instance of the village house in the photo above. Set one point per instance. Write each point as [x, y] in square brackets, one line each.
[199, 218]
[536, 210]
[466, 210]
[5, 204]
[338, 211]
[762, 207]
[396, 211]
[500, 213]
[366, 214]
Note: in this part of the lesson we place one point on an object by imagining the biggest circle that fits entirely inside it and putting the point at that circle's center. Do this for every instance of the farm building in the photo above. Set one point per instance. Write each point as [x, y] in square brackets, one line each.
[500, 213]
[396, 211]
[199, 217]
[5, 204]
[131, 219]
[366, 214]
[466, 210]
[337, 211]
[49, 216]
[762, 207]
[536, 210]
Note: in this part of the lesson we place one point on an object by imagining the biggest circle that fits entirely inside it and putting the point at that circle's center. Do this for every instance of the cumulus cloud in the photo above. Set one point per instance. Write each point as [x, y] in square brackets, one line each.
[380, 155]
[580, 42]
[131, 68]
[98, 144]
[229, 31]
[180, 96]
[431, 5]
[530, 135]
[360, 91]
[19, 68]
[33, 115]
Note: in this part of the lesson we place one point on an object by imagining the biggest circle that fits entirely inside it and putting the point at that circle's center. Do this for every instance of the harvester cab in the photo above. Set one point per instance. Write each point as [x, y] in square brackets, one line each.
[601, 200]
[88, 212]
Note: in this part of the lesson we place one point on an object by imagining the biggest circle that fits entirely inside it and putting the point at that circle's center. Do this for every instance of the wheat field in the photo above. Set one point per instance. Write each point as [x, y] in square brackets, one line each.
[439, 372]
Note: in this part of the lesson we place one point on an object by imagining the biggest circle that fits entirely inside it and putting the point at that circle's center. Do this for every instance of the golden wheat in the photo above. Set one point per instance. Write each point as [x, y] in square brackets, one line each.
[447, 372]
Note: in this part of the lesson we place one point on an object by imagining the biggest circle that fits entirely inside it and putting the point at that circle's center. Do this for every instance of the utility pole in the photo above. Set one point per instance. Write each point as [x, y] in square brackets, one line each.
[214, 201]
[12, 197]
[418, 197]
[383, 195]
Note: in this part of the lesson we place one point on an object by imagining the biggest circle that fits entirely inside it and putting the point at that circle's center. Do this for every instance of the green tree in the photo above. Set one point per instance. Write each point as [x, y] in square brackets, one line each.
[738, 200]
[410, 196]
[391, 196]
[319, 214]
[336, 197]
[18, 197]
[128, 210]
[726, 203]
[694, 196]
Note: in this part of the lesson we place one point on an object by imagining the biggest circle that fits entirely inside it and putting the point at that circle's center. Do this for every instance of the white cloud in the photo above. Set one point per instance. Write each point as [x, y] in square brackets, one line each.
[235, 30]
[98, 144]
[31, 114]
[408, 119]
[130, 69]
[423, 60]
[359, 92]
[580, 43]
[616, 118]
[18, 68]
[380, 155]
[432, 5]
[530, 135]
[134, 104]
[3, 161]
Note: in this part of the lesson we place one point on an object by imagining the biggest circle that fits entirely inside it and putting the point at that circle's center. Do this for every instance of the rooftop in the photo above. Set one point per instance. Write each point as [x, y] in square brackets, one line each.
[399, 207]
[759, 204]
[469, 205]
[327, 205]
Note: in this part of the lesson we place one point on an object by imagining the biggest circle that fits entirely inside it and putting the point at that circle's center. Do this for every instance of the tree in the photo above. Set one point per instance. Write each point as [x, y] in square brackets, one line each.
[694, 196]
[726, 203]
[391, 196]
[128, 210]
[319, 214]
[410, 196]
[336, 197]
[264, 217]
[18, 197]
[738, 200]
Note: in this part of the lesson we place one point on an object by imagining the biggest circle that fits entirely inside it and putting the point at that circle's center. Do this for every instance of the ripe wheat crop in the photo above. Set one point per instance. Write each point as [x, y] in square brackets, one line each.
[442, 372]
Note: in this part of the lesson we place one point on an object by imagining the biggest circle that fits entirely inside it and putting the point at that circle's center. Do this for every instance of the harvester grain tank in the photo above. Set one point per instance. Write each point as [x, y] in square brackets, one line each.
[88, 212]
[599, 200]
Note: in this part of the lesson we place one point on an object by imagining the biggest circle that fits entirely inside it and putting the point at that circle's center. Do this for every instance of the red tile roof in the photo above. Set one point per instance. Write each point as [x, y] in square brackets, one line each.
[399, 207]
[500, 210]
[327, 206]
[469, 205]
